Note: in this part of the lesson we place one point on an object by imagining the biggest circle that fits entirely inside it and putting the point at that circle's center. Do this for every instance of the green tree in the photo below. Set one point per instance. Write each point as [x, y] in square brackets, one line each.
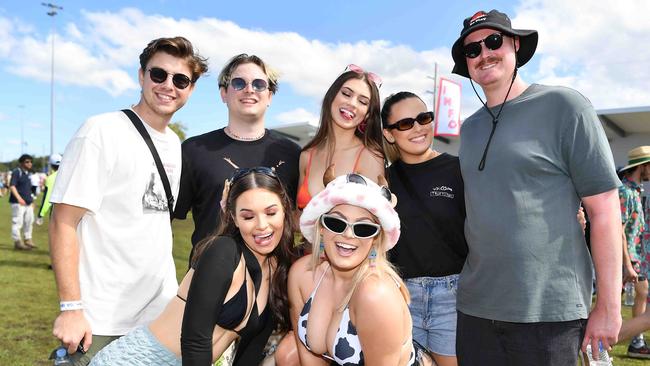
[180, 130]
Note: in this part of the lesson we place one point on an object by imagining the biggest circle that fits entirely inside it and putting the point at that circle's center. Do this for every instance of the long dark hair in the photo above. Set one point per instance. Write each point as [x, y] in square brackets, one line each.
[371, 138]
[284, 254]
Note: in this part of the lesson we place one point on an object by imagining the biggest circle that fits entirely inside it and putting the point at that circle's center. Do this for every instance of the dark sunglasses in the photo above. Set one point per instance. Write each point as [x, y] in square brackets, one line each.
[241, 172]
[493, 42]
[158, 75]
[406, 124]
[361, 230]
[358, 179]
[259, 85]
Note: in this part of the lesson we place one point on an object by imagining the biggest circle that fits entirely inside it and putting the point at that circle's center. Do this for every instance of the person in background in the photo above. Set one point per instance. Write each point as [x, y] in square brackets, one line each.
[110, 232]
[55, 161]
[21, 199]
[528, 158]
[633, 220]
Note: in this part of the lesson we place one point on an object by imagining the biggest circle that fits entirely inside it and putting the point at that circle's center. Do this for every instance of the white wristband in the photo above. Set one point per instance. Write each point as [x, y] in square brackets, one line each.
[71, 305]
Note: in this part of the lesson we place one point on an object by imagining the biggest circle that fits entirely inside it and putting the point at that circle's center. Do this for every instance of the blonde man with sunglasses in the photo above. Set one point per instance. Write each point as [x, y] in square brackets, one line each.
[247, 85]
[528, 158]
[110, 232]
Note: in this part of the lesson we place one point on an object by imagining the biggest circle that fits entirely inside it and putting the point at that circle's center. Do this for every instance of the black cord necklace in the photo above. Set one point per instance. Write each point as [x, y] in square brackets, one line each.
[495, 119]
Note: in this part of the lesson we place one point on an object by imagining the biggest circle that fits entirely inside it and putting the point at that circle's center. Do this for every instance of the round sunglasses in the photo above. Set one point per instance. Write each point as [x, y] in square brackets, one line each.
[406, 124]
[258, 85]
[360, 230]
[493, 42]
[158, 75]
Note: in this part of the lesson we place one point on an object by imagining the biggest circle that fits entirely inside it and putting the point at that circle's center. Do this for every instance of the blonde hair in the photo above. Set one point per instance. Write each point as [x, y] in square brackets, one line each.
[381, 268]
[243, 58]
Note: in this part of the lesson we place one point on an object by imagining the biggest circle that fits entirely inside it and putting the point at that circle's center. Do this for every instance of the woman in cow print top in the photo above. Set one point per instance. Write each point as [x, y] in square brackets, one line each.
[348, 305]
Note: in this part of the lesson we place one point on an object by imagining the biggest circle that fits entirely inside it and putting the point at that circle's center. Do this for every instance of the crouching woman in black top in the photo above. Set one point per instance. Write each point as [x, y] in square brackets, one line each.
[236, 288]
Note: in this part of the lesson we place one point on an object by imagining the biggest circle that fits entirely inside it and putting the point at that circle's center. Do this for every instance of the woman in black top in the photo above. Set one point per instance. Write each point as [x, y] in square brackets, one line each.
[235, 289]
[430, 202]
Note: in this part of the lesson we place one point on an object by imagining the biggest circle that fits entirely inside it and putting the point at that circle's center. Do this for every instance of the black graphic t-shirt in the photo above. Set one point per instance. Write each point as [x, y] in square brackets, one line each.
[210, 159]
[423, 249]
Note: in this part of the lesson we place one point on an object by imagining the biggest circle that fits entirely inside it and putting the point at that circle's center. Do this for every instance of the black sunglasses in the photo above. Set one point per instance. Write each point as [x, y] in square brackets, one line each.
[406, 124]
[361, 230]
[158, 75]
[259, 85]
[358, 179]
[241, 172]
[493, 42]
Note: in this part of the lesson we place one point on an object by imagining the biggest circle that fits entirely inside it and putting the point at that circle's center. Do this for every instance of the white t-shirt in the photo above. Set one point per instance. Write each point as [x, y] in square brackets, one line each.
[126, 270]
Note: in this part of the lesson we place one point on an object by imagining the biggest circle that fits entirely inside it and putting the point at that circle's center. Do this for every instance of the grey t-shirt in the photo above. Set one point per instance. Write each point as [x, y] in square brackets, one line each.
[528, 261]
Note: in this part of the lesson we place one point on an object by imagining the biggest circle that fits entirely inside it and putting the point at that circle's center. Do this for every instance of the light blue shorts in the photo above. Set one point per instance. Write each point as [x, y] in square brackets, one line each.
[433, 309]
[139, 347]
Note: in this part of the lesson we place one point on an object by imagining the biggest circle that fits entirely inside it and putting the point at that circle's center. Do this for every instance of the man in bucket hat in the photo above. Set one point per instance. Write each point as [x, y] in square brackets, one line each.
[635, 262]
[525, 290]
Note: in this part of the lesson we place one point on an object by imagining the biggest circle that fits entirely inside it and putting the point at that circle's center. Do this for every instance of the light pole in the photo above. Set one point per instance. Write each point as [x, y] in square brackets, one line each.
[52, 12]
[22, 128]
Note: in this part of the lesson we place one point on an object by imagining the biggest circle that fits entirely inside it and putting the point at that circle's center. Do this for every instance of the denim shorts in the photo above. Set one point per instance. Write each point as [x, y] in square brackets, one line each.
[138, 347]
[433, 309]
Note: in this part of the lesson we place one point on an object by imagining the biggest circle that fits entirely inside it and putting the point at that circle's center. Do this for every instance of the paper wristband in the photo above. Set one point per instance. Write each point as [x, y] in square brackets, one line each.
[71, 305]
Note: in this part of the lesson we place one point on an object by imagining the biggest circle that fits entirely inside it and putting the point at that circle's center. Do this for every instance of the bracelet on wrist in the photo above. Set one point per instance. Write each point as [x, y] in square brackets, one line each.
[71, 305]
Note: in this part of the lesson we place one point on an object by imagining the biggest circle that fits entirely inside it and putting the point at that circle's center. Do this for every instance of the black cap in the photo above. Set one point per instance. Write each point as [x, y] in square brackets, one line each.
[498, 21]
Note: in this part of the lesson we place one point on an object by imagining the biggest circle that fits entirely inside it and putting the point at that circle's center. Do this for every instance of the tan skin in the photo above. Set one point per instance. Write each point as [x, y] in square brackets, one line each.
[157, 105]
[257, 211]
[352, 100]
[493, 70]
[377, 308]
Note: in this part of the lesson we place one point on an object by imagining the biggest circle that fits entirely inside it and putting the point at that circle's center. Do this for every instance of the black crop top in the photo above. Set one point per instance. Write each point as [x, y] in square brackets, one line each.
[205, 306]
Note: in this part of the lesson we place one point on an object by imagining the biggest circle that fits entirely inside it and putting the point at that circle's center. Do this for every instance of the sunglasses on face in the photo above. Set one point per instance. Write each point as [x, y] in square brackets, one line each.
[158, 75]
[258, 85]
[371, 75]
[493, 42]
[406, 124]
[361, 230]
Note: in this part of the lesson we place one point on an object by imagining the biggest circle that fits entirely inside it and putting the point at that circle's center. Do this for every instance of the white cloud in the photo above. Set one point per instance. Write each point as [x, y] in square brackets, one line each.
[594, 47]
[583, 44]
[13, 142]
[298, 115]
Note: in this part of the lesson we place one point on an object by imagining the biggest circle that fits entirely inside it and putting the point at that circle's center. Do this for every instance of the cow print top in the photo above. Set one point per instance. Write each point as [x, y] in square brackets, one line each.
[347, 348]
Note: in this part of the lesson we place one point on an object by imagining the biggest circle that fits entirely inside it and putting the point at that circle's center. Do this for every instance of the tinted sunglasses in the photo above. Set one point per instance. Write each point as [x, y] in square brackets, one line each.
[493, 42]
[371, 75]
[361, 230]
[358, 179]
[259, 85]
[241, 172]
[158, 75]
[406, 124]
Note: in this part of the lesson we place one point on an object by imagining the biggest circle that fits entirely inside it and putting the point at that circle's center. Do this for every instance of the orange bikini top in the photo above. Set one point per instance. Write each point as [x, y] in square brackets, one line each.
[303, 197]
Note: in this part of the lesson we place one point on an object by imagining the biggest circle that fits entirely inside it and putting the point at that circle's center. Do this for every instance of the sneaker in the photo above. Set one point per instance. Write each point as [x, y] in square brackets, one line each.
[638, 352]
[18, 245]
[30, 243]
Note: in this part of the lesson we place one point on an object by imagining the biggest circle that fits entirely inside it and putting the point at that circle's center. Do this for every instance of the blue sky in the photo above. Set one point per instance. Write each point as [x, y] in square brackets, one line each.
[589, 46]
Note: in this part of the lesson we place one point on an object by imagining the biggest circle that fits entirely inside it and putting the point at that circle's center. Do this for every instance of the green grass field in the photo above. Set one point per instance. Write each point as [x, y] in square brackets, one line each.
[29, 302]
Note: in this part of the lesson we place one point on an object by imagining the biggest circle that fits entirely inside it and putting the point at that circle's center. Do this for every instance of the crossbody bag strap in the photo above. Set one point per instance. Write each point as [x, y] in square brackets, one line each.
[161, 170]
[420, 202]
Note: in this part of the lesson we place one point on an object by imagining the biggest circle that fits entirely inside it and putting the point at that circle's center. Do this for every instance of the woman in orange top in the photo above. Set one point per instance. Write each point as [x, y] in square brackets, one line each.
[349, 134]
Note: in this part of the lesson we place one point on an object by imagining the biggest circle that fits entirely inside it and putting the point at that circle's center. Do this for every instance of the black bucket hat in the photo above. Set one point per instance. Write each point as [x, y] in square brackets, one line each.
[498, 21]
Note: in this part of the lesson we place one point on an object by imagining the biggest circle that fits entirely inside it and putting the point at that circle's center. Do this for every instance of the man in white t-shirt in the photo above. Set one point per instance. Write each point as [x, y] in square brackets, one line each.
[110, 232]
